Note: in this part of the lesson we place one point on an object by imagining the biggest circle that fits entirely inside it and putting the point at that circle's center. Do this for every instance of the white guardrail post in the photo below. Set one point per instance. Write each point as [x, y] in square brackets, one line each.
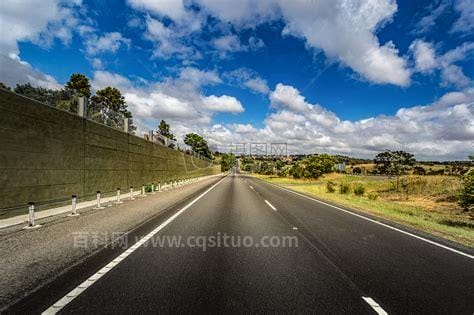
[143, 194]
[73, 206]
[31, 214]
[118, 197]
[98, 201]
[131, 193]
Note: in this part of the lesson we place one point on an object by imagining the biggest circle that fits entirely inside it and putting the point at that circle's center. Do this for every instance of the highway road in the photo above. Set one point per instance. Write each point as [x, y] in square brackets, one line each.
[299, 255]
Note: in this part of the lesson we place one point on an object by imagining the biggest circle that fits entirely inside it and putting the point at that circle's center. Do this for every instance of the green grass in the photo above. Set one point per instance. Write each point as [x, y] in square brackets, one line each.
[421, 209]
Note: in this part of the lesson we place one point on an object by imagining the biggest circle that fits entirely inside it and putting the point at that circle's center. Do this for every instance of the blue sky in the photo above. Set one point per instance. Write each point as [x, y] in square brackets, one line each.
[348, 77]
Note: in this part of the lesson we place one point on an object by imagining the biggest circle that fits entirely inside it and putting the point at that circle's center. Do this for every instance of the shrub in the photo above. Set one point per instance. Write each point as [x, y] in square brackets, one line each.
[359, 190]
[148, 188]
[344, 188]
[331, 187]
[466, 197]
[373, 196]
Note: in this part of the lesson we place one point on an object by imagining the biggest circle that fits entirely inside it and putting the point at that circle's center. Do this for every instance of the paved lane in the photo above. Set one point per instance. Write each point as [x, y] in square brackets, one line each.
[401, 272]
[224, 279]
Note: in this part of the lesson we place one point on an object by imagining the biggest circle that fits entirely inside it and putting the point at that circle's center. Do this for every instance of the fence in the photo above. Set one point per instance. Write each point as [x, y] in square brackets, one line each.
[49, 154]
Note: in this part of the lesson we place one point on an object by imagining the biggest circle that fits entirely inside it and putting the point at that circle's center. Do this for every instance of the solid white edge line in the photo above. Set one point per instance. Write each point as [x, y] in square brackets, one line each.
[375, 306]
[56, 307]
[251, 187]
[380, 223]
[270, 205]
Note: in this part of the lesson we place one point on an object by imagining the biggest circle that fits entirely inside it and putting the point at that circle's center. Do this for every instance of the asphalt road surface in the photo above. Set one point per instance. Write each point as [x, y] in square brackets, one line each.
[244, 245]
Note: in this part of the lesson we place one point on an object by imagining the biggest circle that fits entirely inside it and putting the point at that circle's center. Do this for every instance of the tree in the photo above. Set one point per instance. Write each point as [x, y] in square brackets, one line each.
[198, 144]
[164, 130]
[3, 86]
[394, 163]
[357, 170]
[46, 96]
[419, 170]
[108, 106]
[227, 161]
[79, 84]
[466, 197]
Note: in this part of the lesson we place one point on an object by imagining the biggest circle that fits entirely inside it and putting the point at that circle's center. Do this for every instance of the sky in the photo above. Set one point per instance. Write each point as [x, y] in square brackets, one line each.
[351, 77]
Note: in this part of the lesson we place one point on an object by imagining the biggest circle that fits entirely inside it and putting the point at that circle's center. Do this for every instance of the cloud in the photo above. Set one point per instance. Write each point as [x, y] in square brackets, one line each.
[168, 40]
[353, 23]
[247, 78]
[15, 71]
[426, 61]
[199, 77]
[255, 43]
[223, 103]
[438, 131]
[427, 22]
[243, 13]
[174, 9]
[465, 22]
[453, 75]
[109, 42]
[227, 44]
[37, 21]
[178, 100]
[425, 56]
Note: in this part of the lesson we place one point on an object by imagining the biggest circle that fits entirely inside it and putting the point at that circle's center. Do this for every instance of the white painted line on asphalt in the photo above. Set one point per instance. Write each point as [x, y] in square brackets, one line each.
[380, 223]
[295, 228]
[377, 308]
[251, 187]
[270, 205]
[56, 307]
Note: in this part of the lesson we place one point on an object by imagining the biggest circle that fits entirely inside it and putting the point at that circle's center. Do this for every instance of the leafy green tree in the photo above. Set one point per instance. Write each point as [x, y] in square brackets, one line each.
[46, 96]
[108, 106]
[394, 163]
[297, 171]
[79, 84]
[466, 197]
[198, 144]
[164, 130]
[227, 161]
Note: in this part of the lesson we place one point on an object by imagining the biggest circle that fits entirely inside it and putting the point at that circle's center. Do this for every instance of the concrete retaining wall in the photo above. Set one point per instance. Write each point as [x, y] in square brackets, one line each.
[48, 154]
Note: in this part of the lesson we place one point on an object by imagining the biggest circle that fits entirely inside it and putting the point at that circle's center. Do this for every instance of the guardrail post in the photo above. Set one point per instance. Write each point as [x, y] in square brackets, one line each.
[159, 186]
[153, 188]
[98, 201]
[31, 214]
[143, 191]
[118, 197]
[131, 193]
[73, 206]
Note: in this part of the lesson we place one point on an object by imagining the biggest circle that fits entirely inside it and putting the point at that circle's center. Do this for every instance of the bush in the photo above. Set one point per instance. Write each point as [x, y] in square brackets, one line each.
[373, 196]
[331, 187]
[148, 188]
[359, 190]
[344, 188]
[466, 197]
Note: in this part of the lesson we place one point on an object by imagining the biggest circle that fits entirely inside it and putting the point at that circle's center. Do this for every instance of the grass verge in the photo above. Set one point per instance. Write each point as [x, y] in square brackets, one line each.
[429, 209]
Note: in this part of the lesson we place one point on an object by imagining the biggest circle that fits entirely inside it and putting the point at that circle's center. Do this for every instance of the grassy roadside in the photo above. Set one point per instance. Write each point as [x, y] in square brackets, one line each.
[429, 208]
